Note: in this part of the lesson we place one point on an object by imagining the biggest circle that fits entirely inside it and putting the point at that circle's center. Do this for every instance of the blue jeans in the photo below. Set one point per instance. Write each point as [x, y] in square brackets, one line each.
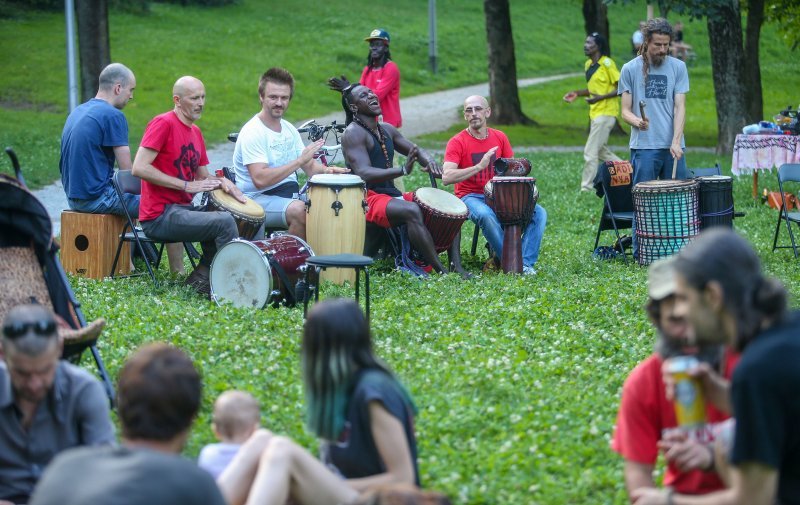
[107, 203]
[484, 217]
[648, 165]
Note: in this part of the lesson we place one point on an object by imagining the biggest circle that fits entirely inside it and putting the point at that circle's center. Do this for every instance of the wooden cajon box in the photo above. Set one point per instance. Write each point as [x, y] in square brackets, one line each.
[89, 242]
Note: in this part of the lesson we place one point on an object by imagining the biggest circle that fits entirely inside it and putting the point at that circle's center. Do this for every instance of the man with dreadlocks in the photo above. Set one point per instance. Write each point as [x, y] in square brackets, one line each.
[655, 84]
[602, 77]
[369, 147]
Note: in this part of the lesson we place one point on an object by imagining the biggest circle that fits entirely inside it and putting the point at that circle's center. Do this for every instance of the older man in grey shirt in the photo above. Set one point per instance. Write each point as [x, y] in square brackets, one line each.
[46, 405]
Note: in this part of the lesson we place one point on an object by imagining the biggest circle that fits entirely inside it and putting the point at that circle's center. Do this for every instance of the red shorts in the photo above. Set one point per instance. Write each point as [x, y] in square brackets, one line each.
[377, 207]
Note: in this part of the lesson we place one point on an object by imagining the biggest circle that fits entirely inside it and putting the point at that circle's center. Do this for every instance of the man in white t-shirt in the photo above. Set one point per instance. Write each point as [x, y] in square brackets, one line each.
[269, 152]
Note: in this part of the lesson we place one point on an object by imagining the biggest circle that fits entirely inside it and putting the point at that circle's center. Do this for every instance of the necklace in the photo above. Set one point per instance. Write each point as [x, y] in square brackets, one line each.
[379, 136]
[469, 132]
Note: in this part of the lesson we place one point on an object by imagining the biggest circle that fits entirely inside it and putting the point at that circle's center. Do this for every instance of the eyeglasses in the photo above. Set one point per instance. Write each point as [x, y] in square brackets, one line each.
[41, 328]
[470, 110]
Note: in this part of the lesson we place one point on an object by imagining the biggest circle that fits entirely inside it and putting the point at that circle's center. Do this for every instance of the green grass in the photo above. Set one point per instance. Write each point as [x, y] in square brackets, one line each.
[517, 378]
[229, 48]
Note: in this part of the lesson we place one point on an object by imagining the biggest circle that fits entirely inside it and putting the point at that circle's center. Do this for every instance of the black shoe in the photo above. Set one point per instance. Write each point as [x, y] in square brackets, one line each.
[199, 281]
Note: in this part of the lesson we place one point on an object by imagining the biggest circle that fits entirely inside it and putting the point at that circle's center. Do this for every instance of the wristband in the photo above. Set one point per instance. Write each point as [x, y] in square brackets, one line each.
[185, 183]
[404, 170]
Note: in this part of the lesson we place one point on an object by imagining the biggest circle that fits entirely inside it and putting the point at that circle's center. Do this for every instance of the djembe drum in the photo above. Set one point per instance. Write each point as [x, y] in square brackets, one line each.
[512, 167]
[666, 217]
[715, 201]
[249, 216]
[513, 200]
[443, 215]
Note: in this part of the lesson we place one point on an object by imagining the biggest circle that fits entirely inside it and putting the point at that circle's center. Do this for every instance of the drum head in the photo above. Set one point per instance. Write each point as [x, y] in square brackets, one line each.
[240, 275]
[336, 180]
[715, 178]
[442, 201]
[229, 203]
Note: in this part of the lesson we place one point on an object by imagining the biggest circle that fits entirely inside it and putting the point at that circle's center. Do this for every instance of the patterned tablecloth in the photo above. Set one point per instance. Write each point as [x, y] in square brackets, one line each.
[763, 152]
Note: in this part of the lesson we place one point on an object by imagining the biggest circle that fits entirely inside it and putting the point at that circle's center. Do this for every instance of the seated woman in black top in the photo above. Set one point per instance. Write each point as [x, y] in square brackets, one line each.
[358, 408]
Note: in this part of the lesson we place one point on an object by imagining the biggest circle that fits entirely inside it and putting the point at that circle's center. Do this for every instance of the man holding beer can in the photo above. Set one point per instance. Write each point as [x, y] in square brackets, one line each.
[648, 421]
[722, 292]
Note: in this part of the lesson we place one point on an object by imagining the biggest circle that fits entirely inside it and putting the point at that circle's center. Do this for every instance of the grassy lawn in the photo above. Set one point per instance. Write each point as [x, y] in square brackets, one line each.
[517, 378]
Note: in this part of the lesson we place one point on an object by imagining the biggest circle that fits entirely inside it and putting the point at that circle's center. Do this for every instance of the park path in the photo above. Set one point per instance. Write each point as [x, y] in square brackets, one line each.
[422, 114]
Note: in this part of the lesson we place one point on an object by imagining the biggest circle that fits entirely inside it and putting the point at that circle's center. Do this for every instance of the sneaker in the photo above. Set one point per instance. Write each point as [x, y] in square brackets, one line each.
[528, 270]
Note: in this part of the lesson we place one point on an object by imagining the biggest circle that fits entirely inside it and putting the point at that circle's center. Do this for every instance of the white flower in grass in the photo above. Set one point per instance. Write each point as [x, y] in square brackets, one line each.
[515, 418]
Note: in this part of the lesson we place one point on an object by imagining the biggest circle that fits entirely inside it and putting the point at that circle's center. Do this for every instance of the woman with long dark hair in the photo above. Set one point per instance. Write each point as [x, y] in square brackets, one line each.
[355, 404]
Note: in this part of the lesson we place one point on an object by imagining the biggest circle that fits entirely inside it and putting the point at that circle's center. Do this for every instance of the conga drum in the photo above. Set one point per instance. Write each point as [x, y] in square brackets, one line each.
[513, 200]
[249, 216]
[443, 214]
[715, 201]
[254, 273]
[666, 217]
[336, 219]
[512, 167]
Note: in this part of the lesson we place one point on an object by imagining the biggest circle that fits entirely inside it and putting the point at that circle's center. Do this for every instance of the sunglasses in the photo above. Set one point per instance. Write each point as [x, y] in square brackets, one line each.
[41, 328]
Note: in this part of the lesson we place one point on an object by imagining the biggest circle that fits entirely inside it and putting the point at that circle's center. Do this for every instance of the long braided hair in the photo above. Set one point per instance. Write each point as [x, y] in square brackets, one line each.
[655, 25]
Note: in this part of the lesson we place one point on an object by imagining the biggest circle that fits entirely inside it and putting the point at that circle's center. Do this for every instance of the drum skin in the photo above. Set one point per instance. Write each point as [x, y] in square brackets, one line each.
[249, 216]
[443, 214]
[242, 276]
[332, 232]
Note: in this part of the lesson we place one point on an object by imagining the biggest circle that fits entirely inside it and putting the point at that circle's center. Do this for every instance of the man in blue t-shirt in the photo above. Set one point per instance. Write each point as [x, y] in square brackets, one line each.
[94, 137]
[653, 89]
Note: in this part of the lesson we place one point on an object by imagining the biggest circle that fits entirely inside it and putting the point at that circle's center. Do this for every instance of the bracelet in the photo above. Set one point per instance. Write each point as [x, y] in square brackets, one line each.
[404, 170]
[185, 183]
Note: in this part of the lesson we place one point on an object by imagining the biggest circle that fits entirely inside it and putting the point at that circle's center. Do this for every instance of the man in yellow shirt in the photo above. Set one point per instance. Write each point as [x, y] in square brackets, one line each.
[602, 77]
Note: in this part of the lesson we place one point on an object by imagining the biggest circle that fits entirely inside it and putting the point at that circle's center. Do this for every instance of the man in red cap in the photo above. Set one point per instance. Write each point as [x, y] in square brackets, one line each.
[381, 75]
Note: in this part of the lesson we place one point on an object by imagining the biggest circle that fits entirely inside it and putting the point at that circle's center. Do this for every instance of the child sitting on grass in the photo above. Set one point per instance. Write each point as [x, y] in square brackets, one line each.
[236, 416]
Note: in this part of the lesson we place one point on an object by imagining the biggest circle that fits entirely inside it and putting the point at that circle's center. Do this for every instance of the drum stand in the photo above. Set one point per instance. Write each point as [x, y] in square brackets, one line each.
[309, 284]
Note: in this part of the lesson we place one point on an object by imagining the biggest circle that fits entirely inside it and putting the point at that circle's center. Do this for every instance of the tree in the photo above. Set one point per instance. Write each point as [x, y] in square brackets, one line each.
[595, 18]
[503, 91]
[93, 43]
[752, 64]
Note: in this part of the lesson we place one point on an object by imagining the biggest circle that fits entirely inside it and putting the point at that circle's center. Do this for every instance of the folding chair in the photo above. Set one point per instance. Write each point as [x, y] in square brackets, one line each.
[125, 182]
[789, 172]
[704, 172]
[616, 181]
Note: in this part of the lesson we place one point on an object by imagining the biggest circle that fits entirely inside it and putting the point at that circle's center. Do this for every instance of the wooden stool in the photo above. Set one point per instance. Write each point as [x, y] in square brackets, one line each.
[88, 244]
[318, 263]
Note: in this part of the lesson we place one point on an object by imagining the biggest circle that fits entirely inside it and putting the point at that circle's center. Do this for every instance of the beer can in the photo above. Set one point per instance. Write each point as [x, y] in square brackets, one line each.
[690, 406]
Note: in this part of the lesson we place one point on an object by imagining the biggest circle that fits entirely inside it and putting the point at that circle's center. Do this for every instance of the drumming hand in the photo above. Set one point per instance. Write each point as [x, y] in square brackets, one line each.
[411, 157]
[338, 83]
[487, 158]
[433, 167]
[336, 170]
[202, 186]
[676, 151]
[643, 124]
[309, 151]
[231, 188]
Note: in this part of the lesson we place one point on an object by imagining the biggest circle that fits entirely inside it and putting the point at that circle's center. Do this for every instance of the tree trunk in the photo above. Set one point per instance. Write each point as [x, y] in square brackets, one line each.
[663, 8]
[727, 62]
[752, 65]
[595, 18]
[93, 43]
[504, 95]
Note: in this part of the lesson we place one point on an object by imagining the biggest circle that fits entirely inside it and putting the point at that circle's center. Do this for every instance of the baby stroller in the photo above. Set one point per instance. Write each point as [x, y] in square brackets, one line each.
[30, 271]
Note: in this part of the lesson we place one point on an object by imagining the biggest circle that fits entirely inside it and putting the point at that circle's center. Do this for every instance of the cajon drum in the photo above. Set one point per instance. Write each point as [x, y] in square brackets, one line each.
[89, 242]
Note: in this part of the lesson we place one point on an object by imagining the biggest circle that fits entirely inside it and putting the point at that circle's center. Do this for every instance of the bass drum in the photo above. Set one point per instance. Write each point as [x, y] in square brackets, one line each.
[245, 273]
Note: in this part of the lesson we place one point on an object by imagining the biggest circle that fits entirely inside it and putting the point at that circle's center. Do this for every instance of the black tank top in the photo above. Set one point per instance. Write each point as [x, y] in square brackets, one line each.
[378, 160]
